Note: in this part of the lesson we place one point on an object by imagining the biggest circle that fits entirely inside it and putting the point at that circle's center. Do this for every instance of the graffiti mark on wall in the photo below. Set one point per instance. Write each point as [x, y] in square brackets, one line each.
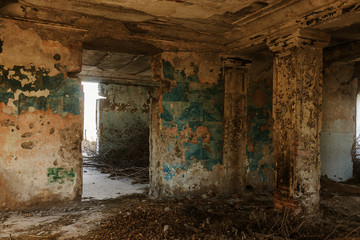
[60, 175]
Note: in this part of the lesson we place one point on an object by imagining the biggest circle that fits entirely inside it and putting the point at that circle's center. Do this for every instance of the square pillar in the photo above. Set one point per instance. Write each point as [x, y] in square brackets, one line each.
[235, 113]
[297, 99]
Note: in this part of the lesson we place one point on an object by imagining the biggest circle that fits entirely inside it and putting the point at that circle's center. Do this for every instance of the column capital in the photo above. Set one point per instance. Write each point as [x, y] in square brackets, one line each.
[235, 62]
[286, 39]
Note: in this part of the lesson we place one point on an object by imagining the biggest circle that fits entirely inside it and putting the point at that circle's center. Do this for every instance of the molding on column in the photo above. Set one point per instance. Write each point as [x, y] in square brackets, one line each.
[284, 40]
[235, 62]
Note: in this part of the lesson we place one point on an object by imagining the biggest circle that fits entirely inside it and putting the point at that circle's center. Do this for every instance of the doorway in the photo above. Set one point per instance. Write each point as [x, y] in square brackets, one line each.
[116, 123]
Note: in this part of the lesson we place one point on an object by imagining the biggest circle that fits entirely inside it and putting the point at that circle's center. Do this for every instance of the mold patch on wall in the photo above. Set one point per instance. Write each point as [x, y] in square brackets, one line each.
[187, 119]
[260, 168]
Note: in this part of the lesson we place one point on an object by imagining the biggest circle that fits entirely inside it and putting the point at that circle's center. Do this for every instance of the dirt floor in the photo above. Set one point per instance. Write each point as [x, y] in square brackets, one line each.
[136, 216]
[249, 216]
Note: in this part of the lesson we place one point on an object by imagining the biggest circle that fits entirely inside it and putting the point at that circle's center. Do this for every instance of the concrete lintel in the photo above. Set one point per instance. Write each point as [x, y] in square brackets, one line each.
[119, 80]
[232, 61]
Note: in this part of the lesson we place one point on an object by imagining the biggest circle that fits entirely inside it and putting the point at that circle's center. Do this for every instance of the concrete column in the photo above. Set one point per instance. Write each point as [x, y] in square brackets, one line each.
[235, 137]
[297, 99]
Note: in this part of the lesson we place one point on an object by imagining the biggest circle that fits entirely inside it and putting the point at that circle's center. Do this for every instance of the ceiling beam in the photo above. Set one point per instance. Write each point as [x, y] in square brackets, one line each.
[349, 52]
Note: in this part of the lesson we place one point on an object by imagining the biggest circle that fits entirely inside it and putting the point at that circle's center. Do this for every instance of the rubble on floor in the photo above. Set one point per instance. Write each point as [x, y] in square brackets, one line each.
[249, 216]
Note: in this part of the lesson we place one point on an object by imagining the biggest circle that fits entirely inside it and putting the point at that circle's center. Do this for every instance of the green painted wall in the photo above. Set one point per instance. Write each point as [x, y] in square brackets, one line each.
[33, 89]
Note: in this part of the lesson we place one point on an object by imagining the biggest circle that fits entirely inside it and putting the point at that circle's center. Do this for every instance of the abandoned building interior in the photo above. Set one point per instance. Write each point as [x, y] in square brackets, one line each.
[204, 98]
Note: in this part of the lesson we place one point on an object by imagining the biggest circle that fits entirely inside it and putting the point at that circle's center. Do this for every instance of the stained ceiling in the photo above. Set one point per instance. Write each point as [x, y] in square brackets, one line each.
[115, 67]
[146, 27]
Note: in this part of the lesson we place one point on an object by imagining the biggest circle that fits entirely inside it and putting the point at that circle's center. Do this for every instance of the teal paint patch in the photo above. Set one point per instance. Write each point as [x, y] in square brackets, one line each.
[192, 113]
[262, 176]
[171, 146]
[60, 175]
[166, 116]
[181, 76]
[63, 97]
[195, 105]
[171, 170]
[193, 78]
[168, 70]
[179, 93]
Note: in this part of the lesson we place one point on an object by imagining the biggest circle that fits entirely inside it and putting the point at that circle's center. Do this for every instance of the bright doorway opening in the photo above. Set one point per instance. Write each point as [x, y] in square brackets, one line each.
[91, 118]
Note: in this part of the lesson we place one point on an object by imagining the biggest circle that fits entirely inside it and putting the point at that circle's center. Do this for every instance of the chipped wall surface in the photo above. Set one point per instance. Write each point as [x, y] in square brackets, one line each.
[259, 151]
[40, 118]
[186, 125]
[338, 128]
[297, 101]
[123, 117]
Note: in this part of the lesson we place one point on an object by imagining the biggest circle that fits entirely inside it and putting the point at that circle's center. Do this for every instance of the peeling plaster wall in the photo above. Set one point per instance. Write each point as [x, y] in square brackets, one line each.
[187, 124]
[124, 115]
[40, 117]
[338, 128]
[260, 162]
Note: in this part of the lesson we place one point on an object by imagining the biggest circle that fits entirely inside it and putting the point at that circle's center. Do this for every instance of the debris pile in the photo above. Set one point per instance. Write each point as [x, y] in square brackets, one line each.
[248, 217]
[128, 156]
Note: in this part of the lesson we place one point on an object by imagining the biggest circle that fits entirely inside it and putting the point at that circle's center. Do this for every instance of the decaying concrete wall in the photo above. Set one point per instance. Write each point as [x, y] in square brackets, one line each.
[186, 125]
[259, 151]
[40, 116]
[338, 128]
[297, 99]
[124, 118]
